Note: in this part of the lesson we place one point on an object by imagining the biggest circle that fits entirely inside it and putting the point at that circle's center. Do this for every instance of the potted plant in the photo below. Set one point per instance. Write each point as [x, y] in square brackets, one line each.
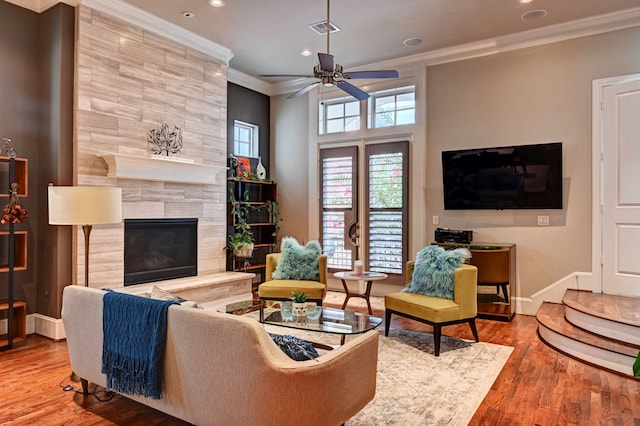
[241, 242]
[299, 307]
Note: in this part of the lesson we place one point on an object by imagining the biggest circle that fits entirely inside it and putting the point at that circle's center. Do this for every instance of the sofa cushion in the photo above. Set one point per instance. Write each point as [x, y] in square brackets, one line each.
[296, 348]
[298, 262]
[433, 271]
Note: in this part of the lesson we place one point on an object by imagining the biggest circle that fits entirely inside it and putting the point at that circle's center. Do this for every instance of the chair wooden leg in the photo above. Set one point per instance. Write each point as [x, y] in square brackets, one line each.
[505, 292]
[387, 322]
[474, 330]
[437, 334]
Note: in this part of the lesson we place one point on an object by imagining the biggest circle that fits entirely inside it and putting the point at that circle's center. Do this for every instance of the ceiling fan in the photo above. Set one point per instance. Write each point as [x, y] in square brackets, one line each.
[330, 74]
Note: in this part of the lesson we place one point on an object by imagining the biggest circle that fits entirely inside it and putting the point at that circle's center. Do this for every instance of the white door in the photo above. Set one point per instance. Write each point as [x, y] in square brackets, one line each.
[621, 189]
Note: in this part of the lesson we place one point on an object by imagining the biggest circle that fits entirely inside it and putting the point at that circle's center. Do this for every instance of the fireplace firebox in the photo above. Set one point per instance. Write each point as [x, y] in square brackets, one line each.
[160, 249]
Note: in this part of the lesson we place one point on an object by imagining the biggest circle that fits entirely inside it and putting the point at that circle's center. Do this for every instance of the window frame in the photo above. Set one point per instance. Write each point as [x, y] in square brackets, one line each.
[395, 92]
[323, 118]
[254, 139]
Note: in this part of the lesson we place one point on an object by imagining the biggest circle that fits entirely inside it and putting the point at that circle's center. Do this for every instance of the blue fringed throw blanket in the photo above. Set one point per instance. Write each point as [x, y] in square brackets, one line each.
[135, 333]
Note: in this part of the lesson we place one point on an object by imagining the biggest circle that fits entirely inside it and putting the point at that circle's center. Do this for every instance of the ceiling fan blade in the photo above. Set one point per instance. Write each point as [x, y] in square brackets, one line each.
[286, 75]
[326, 62]
[357, 93]
[304, 90]
[372, 74]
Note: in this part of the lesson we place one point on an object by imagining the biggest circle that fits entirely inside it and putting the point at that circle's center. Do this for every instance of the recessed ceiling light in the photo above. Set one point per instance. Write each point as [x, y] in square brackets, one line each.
[216, 3]
[188, 14]
[306, 52]
[413, 42]
[525, 1]
[533, 14]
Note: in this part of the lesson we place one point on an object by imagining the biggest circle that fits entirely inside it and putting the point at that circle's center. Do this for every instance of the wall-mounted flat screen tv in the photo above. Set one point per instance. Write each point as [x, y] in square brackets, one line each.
[509, 177]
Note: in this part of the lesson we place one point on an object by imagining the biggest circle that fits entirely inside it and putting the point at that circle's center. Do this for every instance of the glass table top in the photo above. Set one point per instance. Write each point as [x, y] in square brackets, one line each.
[322, 319]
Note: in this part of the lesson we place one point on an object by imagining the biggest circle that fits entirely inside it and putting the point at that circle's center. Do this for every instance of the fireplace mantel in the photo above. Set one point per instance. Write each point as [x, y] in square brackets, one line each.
[153, 168]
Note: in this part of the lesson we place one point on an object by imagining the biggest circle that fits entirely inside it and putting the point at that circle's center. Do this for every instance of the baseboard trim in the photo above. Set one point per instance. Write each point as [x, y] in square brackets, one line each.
[554, 292]
[47, 327]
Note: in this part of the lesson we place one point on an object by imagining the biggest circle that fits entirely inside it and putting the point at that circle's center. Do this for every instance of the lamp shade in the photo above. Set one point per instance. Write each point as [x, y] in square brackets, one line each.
[84, 205]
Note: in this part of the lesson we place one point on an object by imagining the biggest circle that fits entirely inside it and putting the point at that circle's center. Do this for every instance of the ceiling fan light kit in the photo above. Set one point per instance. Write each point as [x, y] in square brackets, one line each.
[331, 74]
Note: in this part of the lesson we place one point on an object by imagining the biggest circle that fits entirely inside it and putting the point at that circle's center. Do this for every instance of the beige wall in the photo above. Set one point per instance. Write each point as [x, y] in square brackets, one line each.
[128, 82]
[289, 157]
[534, 95]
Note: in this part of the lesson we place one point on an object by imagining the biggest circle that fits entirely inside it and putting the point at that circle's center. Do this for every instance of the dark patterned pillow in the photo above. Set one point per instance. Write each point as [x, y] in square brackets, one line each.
[296, 348]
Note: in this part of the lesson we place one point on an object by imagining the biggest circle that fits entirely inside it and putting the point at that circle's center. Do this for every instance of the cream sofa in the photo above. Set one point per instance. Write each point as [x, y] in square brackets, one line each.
[222, 369]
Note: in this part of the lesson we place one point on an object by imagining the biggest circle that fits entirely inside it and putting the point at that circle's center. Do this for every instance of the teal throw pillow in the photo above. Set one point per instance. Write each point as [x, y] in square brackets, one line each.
[433, 271]
[298, 262]
[296, 348]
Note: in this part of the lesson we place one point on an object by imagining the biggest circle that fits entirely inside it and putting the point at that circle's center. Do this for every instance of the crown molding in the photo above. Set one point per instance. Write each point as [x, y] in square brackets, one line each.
[40, 6]
[152, 23]
[551, 34]
[250, 82]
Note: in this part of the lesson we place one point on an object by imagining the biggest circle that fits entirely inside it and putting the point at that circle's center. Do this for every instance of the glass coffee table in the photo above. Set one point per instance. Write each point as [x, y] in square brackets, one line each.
[319, 319]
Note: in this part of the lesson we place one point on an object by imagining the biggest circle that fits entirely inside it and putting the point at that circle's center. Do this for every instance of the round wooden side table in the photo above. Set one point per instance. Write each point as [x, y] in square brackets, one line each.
[367, 276]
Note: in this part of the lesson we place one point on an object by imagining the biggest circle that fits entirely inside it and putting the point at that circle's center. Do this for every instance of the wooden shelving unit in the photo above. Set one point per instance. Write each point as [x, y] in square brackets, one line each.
[14, 170]
[19, 248]
[19, 323]
[261, 196]
[21, 176]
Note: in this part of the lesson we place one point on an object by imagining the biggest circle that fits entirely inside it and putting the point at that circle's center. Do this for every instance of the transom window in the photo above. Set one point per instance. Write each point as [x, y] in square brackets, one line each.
[385, 108]
[394, 107]
[245, 139]
[339, 115]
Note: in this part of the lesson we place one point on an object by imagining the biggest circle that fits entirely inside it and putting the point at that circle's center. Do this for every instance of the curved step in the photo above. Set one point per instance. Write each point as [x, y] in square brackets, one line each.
[615, 317]
[573, 341]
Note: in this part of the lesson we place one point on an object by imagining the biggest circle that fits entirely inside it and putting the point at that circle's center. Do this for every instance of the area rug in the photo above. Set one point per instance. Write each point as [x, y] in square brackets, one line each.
[414, 387]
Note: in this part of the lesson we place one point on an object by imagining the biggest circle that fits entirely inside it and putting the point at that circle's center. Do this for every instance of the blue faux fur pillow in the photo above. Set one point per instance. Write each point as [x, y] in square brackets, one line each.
[298, 262]
[433, 271]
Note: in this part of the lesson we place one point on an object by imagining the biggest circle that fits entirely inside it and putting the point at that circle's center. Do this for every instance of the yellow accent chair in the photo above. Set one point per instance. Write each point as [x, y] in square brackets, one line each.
[437, 311]
[271, 289]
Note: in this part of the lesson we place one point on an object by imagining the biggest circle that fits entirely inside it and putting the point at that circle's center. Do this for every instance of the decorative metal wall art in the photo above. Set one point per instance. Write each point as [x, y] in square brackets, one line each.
[164, 141]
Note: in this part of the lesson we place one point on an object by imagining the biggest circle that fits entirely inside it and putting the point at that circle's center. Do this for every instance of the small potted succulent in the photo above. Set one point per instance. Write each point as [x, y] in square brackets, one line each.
[299, 307]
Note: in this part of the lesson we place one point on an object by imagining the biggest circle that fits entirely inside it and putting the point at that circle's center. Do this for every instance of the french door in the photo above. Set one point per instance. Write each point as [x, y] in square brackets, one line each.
[367, 218]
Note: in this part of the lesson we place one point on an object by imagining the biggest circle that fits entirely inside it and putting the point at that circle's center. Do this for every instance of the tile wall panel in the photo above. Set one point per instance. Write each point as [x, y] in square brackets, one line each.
[130, 81]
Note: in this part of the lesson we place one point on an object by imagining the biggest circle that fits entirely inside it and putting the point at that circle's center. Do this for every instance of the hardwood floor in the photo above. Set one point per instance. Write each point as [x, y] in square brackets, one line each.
[538, 386]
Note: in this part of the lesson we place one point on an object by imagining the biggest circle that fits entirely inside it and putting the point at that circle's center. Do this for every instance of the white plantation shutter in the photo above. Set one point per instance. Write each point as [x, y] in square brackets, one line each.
[338, 205]
[383, 222]
[387, 234]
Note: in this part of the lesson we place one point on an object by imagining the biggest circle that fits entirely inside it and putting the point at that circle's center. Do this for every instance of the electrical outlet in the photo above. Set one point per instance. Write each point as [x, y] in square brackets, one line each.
[543, 220]
[436, 220]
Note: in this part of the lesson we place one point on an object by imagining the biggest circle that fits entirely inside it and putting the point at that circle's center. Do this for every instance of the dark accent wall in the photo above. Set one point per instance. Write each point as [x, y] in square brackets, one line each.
[251, 107]
[36, 110]
[55, 151]
[19, 120]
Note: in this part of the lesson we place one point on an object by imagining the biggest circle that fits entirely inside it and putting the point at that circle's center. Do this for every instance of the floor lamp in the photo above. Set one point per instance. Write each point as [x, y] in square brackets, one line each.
[85, 206]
